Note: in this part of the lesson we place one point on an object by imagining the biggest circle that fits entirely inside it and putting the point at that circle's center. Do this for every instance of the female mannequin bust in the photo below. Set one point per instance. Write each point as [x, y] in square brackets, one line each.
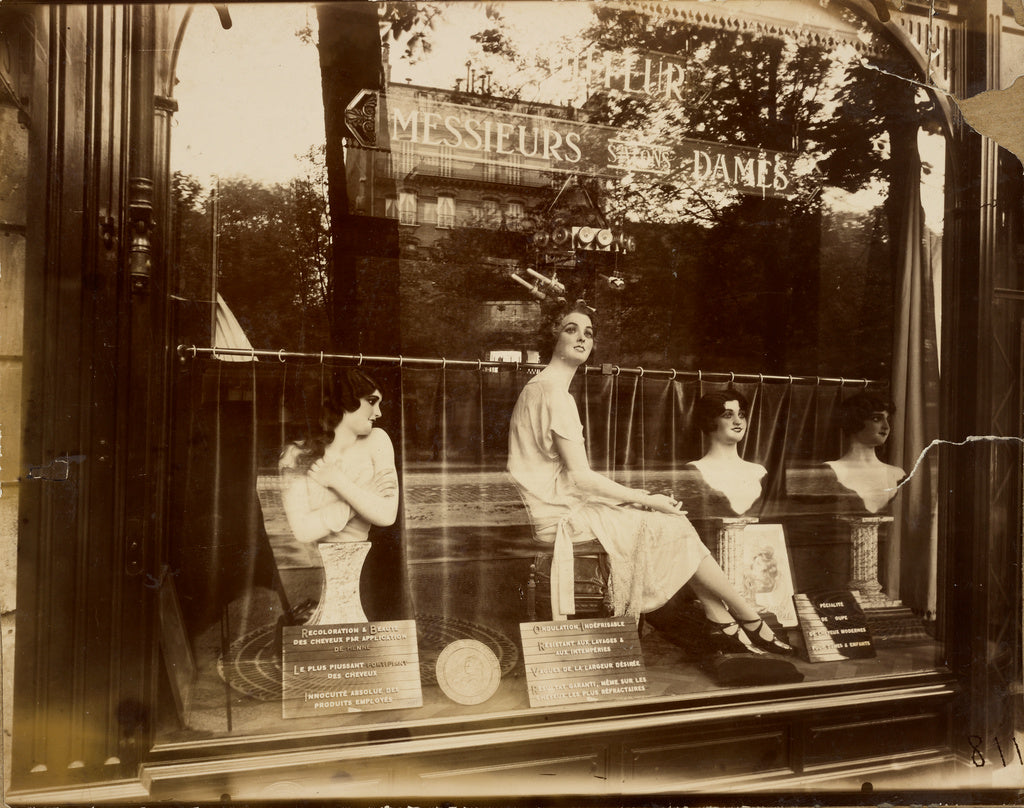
[338, 482]
[864, 419]
[722, 416]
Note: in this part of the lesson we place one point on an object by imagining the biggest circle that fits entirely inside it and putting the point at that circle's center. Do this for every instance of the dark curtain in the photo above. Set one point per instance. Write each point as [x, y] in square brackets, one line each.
[468, 537]
[463, 545]
[912, 562]
[219, 550]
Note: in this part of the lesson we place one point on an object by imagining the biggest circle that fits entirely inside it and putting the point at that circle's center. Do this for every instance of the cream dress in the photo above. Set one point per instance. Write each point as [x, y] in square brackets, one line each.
[651, 554]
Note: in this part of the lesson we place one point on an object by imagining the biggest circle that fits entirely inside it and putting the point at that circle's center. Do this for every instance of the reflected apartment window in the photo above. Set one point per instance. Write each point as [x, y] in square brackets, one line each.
[491, 170]
[515, 168]
[514, 215]
[407, 207]
[446, 211]
[445, 160]
[492, 213]
[391, 207]
[403, 159]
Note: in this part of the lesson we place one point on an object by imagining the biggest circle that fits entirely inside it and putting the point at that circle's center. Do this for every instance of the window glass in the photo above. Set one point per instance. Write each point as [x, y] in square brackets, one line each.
[741, 202]
[514, 215]
[407, 207]
[445, 211]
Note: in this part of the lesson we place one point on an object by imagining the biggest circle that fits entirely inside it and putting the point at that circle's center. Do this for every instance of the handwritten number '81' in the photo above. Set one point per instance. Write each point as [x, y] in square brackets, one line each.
[978, 757]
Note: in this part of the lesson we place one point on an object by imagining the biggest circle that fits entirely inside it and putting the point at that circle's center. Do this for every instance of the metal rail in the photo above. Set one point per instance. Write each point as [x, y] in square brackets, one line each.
[192, 351]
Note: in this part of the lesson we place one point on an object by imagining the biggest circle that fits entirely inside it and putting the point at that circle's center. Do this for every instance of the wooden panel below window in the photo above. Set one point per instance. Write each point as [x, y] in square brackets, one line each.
[874, 737]
[689, 758]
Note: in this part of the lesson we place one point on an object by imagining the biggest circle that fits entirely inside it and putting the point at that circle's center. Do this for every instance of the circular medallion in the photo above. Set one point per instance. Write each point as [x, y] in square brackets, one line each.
[468, 672]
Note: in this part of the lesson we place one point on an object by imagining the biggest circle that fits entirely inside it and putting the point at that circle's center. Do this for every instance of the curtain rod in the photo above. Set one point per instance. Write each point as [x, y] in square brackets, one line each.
[283, 356]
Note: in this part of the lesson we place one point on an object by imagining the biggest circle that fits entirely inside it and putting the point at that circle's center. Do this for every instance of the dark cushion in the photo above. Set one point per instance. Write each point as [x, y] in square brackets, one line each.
[746, 670]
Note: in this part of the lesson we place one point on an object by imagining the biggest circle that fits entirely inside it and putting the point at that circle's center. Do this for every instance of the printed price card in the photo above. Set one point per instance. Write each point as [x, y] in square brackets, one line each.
[350, 668]
[578, 661]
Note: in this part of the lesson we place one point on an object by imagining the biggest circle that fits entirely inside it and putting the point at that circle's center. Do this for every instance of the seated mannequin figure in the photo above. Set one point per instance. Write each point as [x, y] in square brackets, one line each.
[336, 484]
[733, 485]
[652, 547]
[864, 419]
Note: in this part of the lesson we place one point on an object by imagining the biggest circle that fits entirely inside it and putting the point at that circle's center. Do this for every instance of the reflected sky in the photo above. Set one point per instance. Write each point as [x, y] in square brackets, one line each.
[249, 97]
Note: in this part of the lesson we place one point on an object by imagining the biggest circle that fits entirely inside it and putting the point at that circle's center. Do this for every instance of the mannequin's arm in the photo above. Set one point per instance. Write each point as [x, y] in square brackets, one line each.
[574, 455]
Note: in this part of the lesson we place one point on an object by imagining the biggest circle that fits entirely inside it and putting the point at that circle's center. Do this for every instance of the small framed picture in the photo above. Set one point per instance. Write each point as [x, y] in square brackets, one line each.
[763, 573]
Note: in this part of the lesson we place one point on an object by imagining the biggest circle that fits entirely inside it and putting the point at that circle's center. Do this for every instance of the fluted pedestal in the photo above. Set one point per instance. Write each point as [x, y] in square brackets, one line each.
[339, 599]
[727, 551]
[864, 561]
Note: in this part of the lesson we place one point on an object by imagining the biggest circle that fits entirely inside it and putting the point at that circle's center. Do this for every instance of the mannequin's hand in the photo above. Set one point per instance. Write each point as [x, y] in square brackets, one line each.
[663, 503]
[329, 475]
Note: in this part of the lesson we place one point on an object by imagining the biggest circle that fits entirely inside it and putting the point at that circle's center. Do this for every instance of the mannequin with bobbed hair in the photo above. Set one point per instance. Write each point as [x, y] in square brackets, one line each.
[552, 312]
[735, 484]
[341, 479]
[864, 421]
[652, 548]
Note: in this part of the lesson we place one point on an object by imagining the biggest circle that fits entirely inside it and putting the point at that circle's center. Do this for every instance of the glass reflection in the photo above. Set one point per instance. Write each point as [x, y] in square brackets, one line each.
[759, 214]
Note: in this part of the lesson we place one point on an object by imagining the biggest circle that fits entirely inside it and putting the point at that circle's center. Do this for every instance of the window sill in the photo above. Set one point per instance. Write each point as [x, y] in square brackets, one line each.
[855, 721]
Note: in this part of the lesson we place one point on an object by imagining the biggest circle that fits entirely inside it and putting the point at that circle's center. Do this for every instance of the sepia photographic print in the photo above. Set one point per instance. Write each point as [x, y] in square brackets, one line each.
[611, 402]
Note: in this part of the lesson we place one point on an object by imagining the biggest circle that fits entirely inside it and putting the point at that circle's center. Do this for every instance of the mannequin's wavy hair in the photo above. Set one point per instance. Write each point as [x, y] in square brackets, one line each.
[711, 405]
[552, 315]
[344, 390]
[858, 408]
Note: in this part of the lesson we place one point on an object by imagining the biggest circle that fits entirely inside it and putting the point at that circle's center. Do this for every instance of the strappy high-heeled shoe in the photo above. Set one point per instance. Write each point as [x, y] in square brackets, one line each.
[771, 644]
[726, 642]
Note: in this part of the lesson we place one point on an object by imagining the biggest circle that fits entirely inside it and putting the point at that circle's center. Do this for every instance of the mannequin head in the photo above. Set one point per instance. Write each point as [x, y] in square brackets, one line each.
[345, 393]
[350, 398]
[864, 418]
[577, 318]
[714, 406]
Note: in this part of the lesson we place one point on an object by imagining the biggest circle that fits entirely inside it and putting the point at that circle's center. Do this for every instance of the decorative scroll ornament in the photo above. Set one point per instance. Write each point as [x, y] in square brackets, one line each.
[361, 118]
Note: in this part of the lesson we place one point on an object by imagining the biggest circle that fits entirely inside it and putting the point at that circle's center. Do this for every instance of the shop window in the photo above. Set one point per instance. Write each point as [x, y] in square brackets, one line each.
[736, 203]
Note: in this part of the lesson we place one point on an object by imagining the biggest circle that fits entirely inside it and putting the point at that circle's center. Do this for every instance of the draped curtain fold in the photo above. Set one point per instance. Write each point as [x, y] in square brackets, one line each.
[463, 543]
[912, 560]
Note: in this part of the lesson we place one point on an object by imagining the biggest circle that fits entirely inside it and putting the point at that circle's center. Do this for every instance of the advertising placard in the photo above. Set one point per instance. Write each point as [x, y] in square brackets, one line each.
[349, 668]
[579, 661]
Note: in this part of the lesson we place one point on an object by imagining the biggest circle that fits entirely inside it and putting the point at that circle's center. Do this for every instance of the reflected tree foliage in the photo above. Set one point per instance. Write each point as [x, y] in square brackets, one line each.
[796, 279]
[273, 249]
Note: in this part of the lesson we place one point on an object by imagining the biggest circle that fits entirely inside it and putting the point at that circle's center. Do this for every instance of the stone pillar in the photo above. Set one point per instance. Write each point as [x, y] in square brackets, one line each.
[864, 560]
[339, 598]
[726, 550]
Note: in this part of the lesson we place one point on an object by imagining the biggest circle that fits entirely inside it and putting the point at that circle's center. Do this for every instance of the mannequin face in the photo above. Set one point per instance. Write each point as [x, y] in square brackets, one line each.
[575, 339]
[731, 425]
[360, 422]
[875, 430]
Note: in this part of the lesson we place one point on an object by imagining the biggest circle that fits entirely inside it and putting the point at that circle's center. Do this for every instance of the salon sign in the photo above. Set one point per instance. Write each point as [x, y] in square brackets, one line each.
[444, 138]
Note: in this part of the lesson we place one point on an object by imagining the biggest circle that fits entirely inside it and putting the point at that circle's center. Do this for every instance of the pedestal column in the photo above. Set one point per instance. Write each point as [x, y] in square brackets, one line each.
[727, 550]
[339, 598]
[864, 560]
